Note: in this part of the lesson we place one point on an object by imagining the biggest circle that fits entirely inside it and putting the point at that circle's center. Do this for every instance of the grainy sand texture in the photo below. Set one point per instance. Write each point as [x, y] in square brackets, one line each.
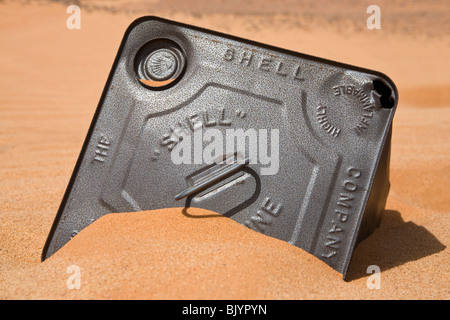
[51, 81]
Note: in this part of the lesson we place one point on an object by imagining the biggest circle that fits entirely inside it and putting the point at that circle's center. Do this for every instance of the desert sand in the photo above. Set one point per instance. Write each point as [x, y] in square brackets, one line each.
[50, 84]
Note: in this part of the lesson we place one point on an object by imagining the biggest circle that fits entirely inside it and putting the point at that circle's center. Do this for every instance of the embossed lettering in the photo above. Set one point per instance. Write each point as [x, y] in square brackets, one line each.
[101, 151]
[229, 55]
[264, 216]
[280, 69]
[343, 211]
[322, 119]
[265, 64]
[274, 64]
[246, 58]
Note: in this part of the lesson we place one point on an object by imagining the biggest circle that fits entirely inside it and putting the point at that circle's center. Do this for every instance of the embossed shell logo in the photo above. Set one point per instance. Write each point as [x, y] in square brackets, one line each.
[162, 65]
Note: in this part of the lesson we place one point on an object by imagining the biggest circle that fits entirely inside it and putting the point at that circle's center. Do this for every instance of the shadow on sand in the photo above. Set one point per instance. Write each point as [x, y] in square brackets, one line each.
[396, 242]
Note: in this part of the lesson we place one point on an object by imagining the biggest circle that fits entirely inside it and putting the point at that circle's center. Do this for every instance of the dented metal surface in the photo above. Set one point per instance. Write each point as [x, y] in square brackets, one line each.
[332, 123]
